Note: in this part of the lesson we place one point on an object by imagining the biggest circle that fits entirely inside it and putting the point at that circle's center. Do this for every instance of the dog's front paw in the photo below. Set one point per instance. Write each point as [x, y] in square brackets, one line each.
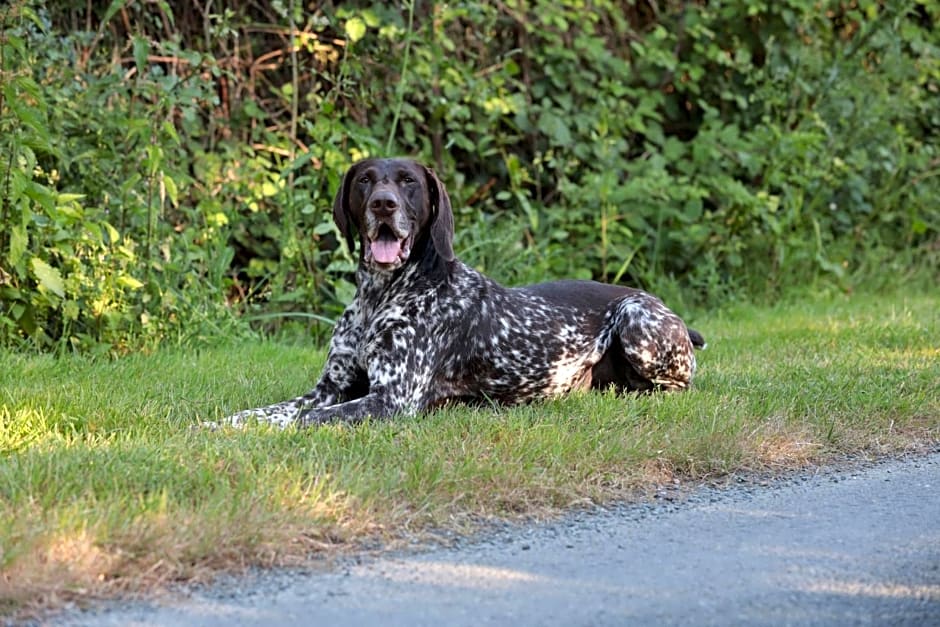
[235, 420]
[240, 419]
[205, 425]
[279, 415]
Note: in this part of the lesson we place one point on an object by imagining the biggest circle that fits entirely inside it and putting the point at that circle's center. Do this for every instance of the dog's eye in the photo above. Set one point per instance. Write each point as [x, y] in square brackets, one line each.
[364, 179]
[407, 179]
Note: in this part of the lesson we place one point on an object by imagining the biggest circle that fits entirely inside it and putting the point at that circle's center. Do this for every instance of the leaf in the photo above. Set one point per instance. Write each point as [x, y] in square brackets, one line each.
[302, 159]
[31, 88]
[114, 7]
[371, 18]
[129, 282]
[555, 128]
[113, 236]
[30, 115]
[216, 219]
[170, 130]
[355, 29]
[42, 196]
[345, 291]
[171, 190]
[71, 310]
[49, 278]
[323, 228]
[141, 50]
[28, 12]
[268, 189]
[19, 242]
[829, 266]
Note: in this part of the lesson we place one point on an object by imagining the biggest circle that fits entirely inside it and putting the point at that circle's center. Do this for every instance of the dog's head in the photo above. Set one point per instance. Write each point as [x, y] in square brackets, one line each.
[396, 207]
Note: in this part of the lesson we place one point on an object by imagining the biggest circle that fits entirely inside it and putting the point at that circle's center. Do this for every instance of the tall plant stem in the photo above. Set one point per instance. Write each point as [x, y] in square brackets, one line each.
[402, 79]
[295, 84]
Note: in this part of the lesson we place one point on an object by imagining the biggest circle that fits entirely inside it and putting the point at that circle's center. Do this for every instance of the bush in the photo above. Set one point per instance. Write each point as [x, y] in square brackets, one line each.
[170, 172]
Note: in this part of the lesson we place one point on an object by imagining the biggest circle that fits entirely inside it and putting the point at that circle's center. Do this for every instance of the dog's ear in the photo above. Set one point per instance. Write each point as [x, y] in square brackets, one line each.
[341, 215]
[442, 217]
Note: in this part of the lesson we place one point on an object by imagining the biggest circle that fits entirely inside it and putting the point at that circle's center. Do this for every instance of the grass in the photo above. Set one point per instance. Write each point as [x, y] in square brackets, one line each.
[105, 488]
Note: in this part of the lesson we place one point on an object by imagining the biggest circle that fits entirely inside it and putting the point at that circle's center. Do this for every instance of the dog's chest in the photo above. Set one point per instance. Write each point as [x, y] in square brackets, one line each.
[394, 323]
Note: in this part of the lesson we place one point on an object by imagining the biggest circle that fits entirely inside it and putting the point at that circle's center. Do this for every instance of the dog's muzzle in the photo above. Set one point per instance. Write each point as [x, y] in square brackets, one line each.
[388, 231]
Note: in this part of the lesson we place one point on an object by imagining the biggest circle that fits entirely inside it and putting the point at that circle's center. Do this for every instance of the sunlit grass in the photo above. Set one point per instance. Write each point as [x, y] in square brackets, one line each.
[104, 485]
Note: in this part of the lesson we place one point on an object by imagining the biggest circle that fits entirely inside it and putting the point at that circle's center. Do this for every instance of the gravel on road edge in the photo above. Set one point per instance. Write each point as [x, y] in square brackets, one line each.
[853, 543]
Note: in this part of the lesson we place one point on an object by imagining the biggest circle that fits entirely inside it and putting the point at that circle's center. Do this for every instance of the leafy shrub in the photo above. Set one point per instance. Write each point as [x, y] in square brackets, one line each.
[170, 170]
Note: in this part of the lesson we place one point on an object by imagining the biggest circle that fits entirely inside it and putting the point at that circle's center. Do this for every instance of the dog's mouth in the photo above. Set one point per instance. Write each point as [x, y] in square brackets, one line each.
[386, 248]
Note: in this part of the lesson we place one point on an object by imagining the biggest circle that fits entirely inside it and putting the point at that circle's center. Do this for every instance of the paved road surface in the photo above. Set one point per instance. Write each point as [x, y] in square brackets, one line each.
[848, 547]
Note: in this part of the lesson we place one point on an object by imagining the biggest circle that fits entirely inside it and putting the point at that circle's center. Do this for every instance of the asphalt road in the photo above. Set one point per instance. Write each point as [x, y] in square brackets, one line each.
[834, 547]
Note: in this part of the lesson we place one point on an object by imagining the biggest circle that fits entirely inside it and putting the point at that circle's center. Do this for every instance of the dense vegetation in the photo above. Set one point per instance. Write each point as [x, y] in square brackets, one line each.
[167, 167]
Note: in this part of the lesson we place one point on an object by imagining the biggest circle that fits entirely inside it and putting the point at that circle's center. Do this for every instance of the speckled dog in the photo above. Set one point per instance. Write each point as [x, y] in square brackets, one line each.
[424, 329]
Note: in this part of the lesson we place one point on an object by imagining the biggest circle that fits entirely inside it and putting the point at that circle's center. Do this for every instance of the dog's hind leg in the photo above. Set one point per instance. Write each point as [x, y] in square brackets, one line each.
[653, 341]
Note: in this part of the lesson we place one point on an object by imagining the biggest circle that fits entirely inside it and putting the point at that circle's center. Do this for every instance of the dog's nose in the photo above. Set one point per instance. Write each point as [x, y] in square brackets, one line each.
[383, 203]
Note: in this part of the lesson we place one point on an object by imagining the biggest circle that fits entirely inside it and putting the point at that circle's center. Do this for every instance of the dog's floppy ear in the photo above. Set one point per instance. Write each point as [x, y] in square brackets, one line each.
[341, 215]
[442, 217]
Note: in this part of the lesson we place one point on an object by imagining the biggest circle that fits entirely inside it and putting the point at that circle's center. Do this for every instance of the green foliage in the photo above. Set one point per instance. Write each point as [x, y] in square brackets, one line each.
[100, 251]
[168, 171]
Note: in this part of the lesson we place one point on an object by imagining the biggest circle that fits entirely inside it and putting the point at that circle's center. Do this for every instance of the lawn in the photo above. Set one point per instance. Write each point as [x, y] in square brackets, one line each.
[107, 487]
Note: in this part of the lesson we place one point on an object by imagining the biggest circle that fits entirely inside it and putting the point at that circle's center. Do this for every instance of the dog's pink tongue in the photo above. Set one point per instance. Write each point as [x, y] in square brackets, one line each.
[385, 250]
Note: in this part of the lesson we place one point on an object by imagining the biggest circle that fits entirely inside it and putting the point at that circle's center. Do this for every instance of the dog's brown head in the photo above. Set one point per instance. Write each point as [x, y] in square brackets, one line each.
[397, 207]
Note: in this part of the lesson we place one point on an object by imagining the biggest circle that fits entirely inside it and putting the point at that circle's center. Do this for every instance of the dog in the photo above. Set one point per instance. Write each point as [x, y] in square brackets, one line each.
[425, 330]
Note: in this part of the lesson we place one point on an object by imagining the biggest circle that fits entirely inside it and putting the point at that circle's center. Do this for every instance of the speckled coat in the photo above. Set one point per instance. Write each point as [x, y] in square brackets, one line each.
[425, 329]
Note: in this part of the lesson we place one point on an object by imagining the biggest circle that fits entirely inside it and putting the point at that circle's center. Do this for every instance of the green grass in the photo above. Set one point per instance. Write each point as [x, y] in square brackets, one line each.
[105, 487]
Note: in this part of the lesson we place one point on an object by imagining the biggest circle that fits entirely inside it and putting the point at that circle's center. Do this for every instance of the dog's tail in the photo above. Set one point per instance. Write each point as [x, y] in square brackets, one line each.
[698, 341]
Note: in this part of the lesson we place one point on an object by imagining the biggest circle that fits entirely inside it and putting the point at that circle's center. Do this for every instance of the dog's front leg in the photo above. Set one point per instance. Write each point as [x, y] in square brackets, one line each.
[343, 379]
[399, 362]
[378, 404]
